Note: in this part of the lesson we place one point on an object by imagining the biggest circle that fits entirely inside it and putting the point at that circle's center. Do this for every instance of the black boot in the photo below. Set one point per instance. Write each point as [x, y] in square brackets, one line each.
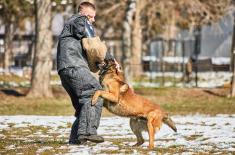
[91, 138]
[78, 142]
[95, 138]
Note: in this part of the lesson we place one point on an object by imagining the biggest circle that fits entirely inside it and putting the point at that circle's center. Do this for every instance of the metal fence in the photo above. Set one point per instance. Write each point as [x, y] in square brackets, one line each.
[198, 58]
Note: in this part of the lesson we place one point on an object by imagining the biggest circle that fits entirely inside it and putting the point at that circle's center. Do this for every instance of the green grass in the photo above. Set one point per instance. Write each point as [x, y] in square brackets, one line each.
[173, 100]
[18, 79]
[12, 78]
[27, 106]
[191, 100]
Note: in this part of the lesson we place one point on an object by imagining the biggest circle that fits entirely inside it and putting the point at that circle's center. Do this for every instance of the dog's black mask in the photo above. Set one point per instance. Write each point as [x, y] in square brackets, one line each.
[105, 67]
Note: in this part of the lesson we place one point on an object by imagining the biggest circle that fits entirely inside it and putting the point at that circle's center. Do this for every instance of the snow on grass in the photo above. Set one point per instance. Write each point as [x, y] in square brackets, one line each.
[209, 79]
[196, 134]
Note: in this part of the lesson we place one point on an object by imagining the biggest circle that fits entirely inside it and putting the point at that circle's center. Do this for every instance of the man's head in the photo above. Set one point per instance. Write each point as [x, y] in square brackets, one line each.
[87, 9]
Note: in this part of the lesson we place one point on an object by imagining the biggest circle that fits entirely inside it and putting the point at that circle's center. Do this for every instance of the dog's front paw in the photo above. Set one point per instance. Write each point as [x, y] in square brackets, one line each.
[94, 100]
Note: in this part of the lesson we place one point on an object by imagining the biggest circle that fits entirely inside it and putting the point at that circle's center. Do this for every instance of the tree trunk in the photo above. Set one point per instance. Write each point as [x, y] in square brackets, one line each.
[126, 40]
[170, 33]
[8, 42]
[136, 46]
[75, 6]
[42, 65]
[233, 59]
[233, 77]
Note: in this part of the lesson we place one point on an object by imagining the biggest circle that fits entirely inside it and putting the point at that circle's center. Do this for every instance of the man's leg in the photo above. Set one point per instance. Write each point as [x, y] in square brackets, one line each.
[66, 76]
[73, 138]
[92, 113]
[82, 83]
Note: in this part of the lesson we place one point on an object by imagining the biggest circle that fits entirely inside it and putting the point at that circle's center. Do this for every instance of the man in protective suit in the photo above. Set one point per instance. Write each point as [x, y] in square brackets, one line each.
[74, 67]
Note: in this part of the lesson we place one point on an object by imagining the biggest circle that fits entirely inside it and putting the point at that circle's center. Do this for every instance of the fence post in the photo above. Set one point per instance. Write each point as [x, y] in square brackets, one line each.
[233, 58]
[162, 63]
[174, 42]
[197, 50]
[183, 65]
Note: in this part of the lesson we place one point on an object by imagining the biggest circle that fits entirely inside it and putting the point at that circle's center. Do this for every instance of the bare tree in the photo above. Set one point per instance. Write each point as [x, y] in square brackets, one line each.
[119, 23]
[163, 15]
[8, 46]
[127, 31]
[136, 40]
[75, 5]
[42, 64]
[12, 14]
[109, 22]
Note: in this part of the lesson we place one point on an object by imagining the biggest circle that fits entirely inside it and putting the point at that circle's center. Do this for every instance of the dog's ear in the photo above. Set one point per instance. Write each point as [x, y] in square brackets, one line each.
[124, 88]
[118, 67]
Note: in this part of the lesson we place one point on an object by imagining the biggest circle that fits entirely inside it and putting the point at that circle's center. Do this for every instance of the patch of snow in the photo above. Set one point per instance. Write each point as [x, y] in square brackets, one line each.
[180, 60]
[10, 147]
[167, 59]
[205, 79]
[196, 133]
[43, 149]
[221, 60]
[2, 136]
[175, 59]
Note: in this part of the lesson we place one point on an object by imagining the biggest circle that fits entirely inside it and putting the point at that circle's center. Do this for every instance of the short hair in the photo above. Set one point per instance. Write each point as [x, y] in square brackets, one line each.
[86, 4]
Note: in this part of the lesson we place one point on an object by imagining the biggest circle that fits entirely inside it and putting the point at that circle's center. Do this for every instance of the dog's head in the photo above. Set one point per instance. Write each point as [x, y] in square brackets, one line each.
[109, 66]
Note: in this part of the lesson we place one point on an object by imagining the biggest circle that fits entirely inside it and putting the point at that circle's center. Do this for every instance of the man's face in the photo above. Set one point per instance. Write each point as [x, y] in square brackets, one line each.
[89, 13]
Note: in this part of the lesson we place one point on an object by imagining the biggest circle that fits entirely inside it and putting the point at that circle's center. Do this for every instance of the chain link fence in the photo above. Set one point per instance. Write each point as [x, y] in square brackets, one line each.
[197, 58]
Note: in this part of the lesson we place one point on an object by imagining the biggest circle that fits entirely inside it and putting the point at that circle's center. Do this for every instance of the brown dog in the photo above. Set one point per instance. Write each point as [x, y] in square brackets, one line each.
[122, 101]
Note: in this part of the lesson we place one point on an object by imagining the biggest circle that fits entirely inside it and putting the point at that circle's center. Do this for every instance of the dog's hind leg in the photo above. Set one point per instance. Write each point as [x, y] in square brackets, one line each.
[135, 125]
[151, 129]
[154, 123]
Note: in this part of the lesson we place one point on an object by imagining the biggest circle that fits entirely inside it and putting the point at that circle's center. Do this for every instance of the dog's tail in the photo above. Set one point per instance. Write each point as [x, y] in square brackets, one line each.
[168, 121]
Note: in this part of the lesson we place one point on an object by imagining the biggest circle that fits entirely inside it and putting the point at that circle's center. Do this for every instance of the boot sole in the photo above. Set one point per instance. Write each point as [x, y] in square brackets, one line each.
[95, 140]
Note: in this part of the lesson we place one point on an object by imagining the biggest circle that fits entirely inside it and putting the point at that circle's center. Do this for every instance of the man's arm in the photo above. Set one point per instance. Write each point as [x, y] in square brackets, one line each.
[81, 28]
